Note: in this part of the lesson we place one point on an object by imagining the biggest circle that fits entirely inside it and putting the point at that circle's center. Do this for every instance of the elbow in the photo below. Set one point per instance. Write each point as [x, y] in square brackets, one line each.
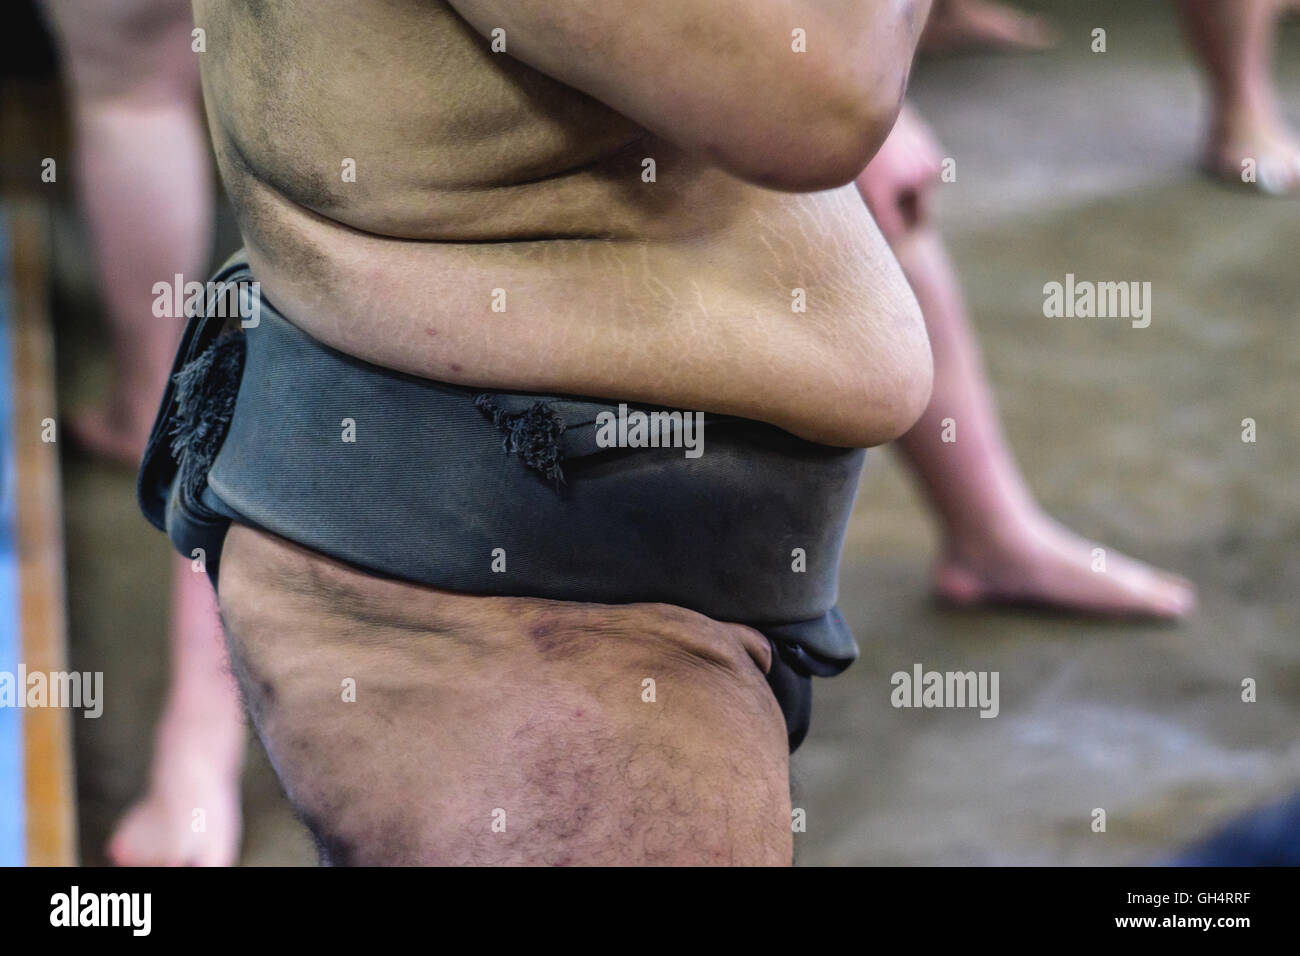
[826, 140]
[842, 143]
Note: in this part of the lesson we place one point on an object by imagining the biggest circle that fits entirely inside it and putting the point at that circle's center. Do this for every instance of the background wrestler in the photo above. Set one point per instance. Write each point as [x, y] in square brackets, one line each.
[998, 544]
[1233, 41]
[144, 182]
[476, 172]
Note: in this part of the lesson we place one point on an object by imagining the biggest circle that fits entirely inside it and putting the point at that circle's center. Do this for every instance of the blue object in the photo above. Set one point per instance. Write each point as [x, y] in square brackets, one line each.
[1265, 837]
[13, 817]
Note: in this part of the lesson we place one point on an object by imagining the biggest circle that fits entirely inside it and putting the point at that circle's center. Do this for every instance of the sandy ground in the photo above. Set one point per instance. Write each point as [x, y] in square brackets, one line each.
[1068, 162]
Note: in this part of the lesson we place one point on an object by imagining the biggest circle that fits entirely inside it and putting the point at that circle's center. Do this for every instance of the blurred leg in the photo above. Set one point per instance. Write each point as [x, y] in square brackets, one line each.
[1234, 40]
[189, 816]
[145, 184]
[983, 24]
[999, 546]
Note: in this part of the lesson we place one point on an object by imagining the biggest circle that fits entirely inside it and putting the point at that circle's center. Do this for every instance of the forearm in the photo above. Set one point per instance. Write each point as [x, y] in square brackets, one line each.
[732, 80]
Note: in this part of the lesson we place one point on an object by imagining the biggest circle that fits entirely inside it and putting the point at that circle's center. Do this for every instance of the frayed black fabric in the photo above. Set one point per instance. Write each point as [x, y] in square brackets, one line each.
[534, 434]
[205, 391]
[501, 493]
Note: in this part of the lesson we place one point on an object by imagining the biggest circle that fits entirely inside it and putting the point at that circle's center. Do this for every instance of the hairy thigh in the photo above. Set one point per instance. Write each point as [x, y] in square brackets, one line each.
[410, 725]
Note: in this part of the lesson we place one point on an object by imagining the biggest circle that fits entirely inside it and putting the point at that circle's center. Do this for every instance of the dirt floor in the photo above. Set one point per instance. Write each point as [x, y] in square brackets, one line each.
[1071, 162]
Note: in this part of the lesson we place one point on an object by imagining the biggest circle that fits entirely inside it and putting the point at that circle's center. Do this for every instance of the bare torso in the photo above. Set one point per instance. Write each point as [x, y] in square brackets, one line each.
[481, 182]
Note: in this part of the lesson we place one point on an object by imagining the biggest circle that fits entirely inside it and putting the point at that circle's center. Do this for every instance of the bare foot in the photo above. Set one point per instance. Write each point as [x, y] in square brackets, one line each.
[1272, 149]
[1047, 565]
[191, 814]
[981, 24]
[113, 431]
